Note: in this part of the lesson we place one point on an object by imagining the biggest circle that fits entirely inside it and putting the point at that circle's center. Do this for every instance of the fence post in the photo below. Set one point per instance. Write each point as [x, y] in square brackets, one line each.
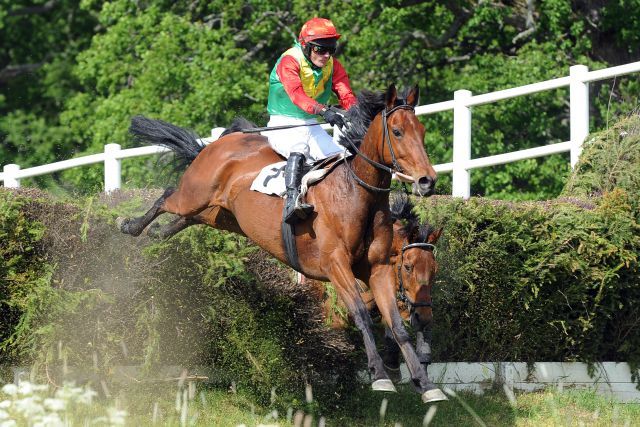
[10, 172]
[461, 144]
[579, 109]
[112, 168]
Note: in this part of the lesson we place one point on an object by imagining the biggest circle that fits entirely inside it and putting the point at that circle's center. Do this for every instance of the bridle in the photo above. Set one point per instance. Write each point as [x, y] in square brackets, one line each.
[387, 138]
[402, 293]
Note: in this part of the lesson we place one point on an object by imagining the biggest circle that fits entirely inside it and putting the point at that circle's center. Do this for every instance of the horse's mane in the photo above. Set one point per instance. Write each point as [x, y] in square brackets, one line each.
[401, 208]
[237, 125]
[362, 114]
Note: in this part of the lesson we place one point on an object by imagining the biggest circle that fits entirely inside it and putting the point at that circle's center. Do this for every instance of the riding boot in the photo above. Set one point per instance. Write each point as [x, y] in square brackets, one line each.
[294, 208]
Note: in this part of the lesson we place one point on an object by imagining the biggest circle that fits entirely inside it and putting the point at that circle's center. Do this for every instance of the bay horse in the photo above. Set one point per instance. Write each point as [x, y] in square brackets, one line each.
[413, 257]
[349, 234]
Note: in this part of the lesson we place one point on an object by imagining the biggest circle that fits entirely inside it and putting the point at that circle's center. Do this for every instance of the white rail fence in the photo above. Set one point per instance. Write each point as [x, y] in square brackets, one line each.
[462, 103]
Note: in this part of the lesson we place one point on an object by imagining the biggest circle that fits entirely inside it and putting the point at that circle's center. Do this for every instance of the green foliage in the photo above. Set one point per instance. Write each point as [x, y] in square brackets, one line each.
[22, 271]
[610, 160]
[76, 292]
[537, 282]
[198, 64]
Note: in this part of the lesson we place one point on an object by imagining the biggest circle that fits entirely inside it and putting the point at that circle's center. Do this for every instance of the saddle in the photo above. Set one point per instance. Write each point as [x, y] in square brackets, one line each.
[270, 180]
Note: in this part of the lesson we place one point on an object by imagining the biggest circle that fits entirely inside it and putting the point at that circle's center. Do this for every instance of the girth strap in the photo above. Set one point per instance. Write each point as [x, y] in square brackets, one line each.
[288, 232]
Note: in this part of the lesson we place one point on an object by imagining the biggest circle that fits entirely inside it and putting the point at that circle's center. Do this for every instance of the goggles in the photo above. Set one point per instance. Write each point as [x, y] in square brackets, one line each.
[321, 50]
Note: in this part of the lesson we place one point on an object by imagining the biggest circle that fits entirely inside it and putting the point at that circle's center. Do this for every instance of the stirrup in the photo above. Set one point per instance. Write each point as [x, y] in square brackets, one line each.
[302, 209]
[298, 211]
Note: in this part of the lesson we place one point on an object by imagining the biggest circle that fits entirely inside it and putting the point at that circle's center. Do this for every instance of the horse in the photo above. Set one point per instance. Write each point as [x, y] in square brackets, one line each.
[349, 234]
[413, 257]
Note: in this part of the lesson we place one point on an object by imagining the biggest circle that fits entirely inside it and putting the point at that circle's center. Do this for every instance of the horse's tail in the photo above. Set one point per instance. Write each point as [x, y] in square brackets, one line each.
[184, 143]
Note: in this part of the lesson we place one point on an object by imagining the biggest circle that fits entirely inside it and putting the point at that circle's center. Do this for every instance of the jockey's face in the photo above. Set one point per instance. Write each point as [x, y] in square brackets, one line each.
[319, 59]
[321, 50]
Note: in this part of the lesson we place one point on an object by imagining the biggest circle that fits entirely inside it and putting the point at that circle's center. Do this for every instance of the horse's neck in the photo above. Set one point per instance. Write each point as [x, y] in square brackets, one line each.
[372, 148]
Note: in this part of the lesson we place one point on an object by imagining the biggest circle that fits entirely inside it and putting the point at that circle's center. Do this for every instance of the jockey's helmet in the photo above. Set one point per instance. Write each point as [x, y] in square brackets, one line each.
[320, 32]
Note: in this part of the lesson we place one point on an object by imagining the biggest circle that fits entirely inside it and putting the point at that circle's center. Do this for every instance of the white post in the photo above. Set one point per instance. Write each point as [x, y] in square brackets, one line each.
[11, 179]
[579, 109]
[216, 132]
[112, 168]
[461, 144]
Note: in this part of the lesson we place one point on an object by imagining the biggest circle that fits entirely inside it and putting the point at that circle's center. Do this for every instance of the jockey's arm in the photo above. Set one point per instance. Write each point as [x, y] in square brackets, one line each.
[341, 86]
[289, 72]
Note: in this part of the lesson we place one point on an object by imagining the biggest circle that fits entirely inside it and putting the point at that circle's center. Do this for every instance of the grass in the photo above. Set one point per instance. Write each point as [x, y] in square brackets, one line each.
[205, 406]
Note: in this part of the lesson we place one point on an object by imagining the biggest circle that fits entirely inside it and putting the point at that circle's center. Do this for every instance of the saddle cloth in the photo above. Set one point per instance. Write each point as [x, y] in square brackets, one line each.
[270, 180]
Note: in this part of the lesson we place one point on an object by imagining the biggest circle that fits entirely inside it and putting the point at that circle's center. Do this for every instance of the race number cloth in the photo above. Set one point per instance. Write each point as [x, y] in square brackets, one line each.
[270, 180]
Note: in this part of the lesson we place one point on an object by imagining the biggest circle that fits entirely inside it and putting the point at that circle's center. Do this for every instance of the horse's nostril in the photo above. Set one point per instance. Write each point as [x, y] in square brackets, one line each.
[424, 186]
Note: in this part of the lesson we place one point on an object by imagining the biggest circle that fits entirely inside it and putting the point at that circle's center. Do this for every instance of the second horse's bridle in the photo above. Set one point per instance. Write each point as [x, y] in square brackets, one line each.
[402, 293]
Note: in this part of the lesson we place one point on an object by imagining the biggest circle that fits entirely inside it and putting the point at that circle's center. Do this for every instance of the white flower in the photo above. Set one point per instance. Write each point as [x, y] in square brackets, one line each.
[87, 397]
[117, 416]
[29, 406]
[25, 387]
[55, 404]
[5, 404]
[49, 420]
[40, 387]
[3, 415]
[10, 389]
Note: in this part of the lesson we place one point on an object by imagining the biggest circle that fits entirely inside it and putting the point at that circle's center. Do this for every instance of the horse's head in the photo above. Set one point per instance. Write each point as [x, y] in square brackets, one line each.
[416, 267]
[404, 145]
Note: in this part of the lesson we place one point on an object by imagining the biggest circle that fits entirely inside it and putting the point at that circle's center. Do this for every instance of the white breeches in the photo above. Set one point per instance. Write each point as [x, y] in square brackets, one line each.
[312, 141]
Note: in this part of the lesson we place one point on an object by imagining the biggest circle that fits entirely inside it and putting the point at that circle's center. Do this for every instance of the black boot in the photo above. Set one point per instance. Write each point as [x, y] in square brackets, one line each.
[294, 209]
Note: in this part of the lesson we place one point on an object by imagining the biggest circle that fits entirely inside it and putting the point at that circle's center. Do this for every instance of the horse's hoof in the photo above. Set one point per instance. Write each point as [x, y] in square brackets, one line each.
[435, 395]
[121, 223]
[383, 385]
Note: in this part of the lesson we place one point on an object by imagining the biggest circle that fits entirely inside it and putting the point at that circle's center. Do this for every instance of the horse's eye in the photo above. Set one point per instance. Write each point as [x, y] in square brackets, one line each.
[397, 132]
[408, 268]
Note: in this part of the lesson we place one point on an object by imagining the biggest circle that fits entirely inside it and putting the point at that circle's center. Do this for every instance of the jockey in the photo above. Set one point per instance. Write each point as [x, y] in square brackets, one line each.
[300, 85]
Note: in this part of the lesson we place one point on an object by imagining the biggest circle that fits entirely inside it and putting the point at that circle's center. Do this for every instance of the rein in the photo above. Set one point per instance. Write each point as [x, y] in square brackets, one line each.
[387, 138]
[267, 128]
[402, 293]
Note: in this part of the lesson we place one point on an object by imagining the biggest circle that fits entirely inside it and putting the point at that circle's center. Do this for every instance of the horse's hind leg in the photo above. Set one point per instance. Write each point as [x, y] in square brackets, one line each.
[134, 226]
[157, 231]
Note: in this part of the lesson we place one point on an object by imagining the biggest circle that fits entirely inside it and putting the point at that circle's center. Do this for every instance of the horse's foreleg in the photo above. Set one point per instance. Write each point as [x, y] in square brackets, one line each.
[174, 227]
[345, 283]
[134, 226]
[381, 282]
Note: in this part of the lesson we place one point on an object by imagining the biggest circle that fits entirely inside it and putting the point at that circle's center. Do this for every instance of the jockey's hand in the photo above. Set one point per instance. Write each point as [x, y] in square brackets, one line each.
[333, 116]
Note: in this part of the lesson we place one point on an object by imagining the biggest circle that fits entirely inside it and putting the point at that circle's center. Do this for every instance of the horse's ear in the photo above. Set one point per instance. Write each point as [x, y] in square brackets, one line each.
[413, 97]
[390, 96]
[434, 236]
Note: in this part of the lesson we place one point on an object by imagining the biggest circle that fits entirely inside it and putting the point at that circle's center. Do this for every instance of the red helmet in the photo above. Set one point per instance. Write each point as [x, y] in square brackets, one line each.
[318, 28]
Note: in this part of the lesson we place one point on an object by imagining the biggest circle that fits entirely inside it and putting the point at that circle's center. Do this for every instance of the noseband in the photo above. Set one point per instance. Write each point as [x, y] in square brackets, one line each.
[402, 293]
[387, 138]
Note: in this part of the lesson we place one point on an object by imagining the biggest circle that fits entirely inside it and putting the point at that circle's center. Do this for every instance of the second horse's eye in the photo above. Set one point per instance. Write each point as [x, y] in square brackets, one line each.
[408, 268]
[397, 132]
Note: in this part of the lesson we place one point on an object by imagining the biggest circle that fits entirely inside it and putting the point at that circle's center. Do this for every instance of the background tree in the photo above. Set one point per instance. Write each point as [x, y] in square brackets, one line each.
[198, 64]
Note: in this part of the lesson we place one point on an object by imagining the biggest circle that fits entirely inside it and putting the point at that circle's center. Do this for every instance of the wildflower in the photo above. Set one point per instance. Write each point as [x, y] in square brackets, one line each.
[10, 389]
[25, 388]
[49, 420]
[117, 416]
[87, 397]
[55, 404]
